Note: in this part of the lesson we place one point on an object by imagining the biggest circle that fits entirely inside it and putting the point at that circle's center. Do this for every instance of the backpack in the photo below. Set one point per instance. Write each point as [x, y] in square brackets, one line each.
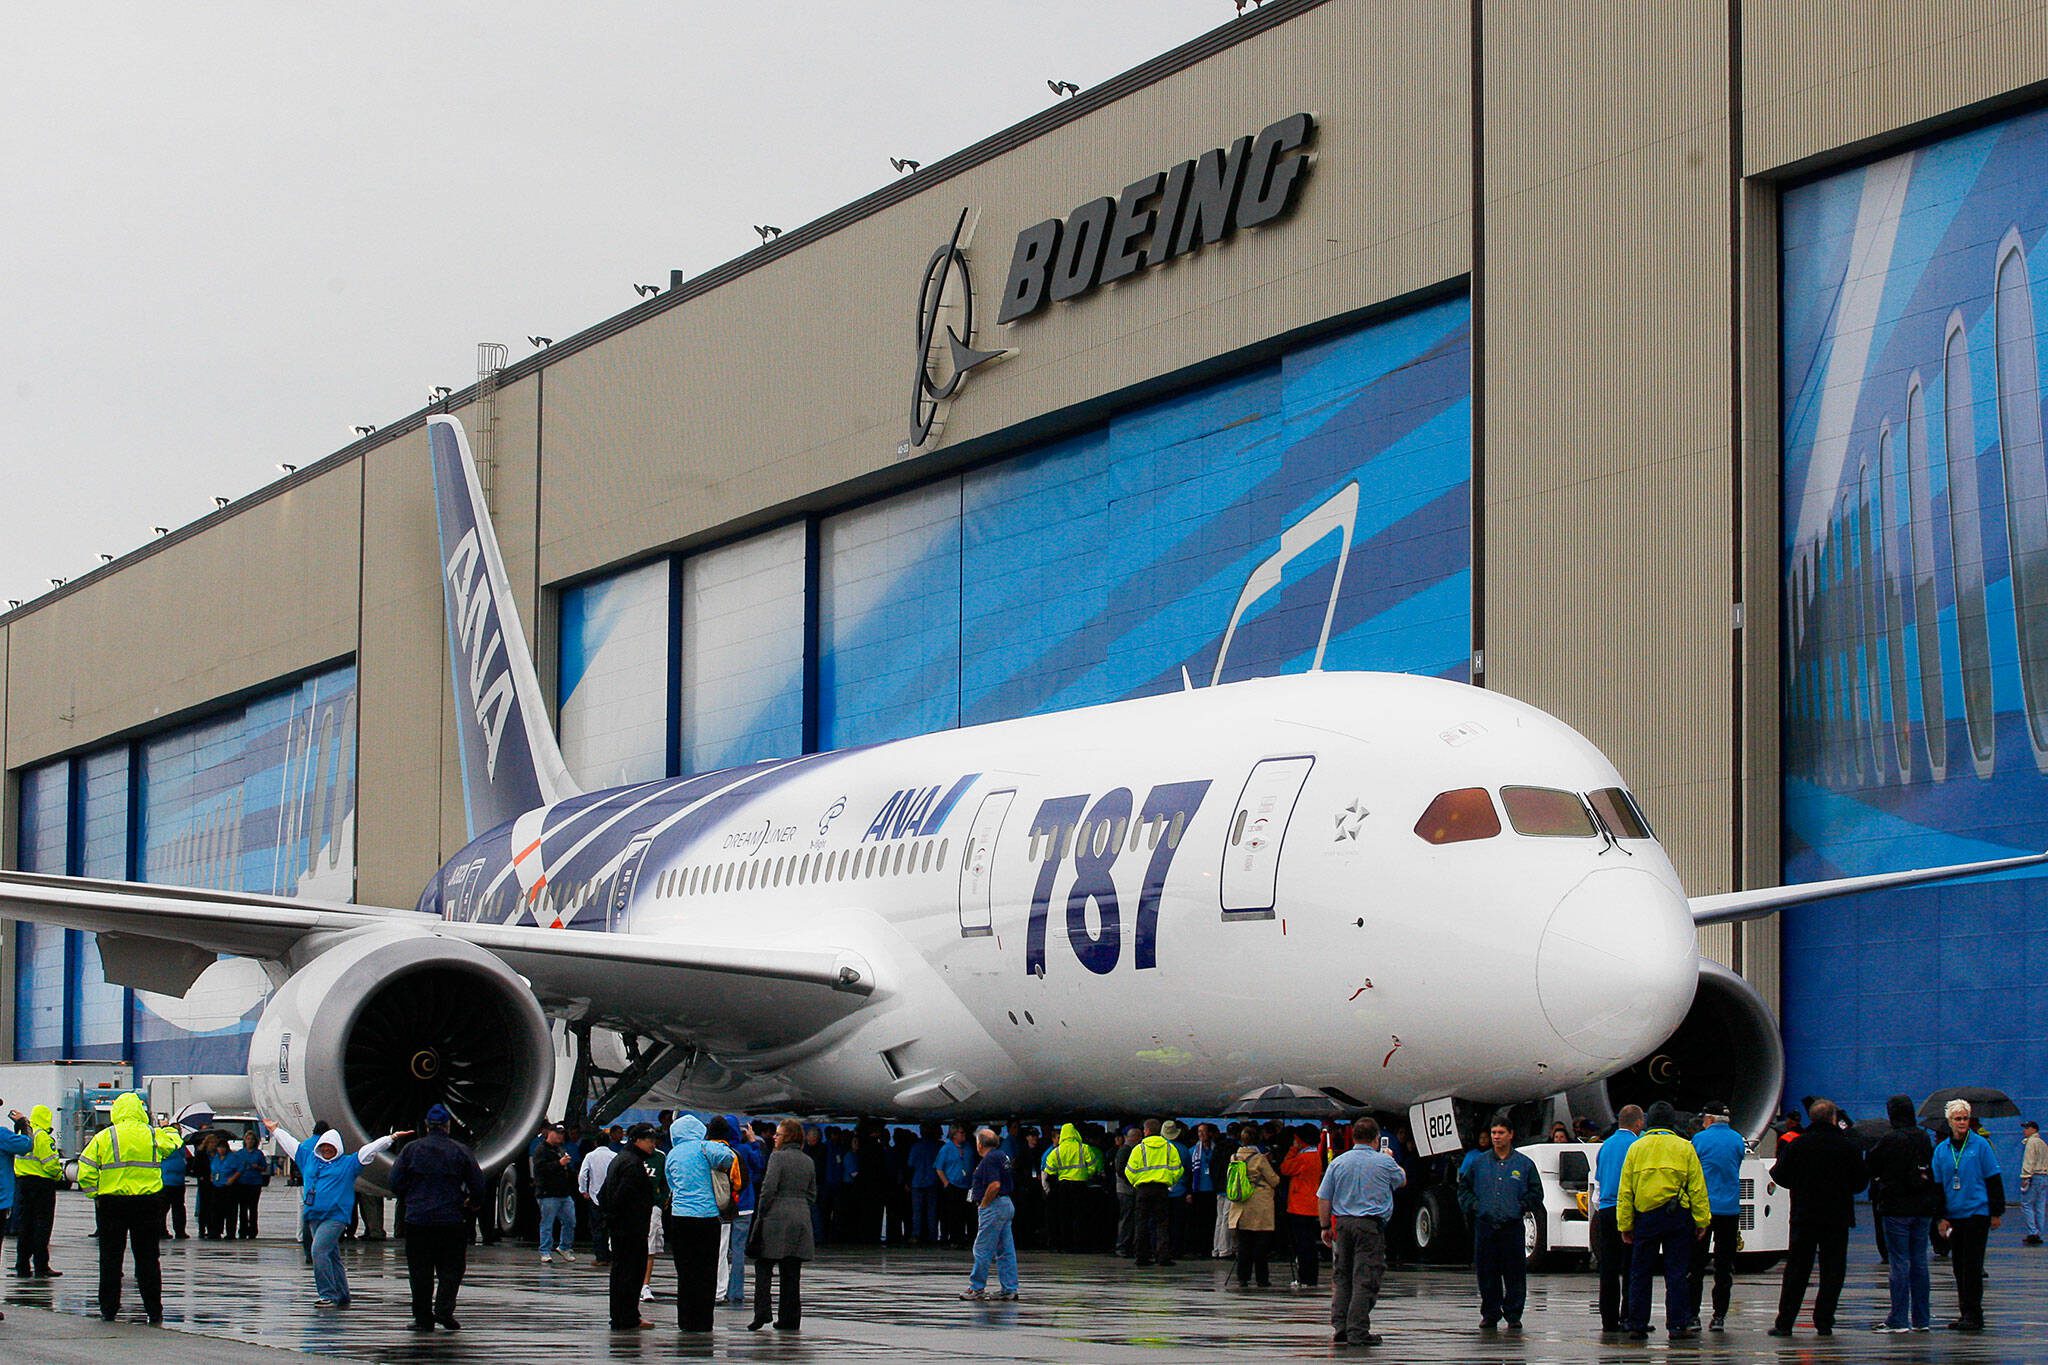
[1237, 1182]
[726, 1184]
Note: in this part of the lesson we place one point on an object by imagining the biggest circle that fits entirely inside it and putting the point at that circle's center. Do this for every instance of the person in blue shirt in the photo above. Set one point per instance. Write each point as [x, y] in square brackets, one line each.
[694, 1221]
[989, 1190]
[329, 1177]
[1973, 1203]
[1608, 1248]
[1354, 1202]
[924, 1185]
[954, 1164]
[15, 1143]
[753, 1159]
[1721, 1151]
[174, 1191]
[1496, 1186]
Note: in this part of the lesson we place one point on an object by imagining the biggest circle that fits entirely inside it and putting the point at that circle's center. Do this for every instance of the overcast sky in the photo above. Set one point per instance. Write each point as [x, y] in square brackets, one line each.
[233, 231]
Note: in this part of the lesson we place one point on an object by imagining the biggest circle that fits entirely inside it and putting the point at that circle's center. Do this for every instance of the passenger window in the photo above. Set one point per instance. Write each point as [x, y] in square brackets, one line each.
[1457, 816]
[1180, 820]
[1152, 829]
[1619, 812]
[1547, 813]
[1237, 830]
[942, 855]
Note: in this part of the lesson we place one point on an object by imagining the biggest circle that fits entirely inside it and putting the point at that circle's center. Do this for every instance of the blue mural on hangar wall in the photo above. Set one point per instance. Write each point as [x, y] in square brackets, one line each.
[1915, 644]
[1089, 569]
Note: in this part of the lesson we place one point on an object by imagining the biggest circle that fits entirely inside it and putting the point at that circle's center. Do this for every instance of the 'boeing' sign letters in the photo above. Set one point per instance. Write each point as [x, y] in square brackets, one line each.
[1254, 181]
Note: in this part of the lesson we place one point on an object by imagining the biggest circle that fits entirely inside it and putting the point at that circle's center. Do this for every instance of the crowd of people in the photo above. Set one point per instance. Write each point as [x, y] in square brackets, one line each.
[716, 1196]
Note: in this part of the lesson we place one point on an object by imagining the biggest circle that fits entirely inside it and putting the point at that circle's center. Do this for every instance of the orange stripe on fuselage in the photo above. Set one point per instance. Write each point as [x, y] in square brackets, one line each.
[520, 856]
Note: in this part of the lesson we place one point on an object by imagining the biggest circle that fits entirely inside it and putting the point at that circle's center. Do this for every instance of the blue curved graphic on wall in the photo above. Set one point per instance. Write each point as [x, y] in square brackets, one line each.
[1915, 695]
[258, 798]
[1105, 565]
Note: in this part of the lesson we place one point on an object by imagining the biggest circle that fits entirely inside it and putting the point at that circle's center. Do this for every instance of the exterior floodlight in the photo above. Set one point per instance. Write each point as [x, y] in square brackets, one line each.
[220, 502]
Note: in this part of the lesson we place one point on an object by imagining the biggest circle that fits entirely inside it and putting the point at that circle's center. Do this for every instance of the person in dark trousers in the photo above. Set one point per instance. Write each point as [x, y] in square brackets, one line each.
[1152, 1167]
[1302, 1169]
[14, 1142]
[1904, 1202]
[1612, 1252]
[36, 1173]
[1966, 1173]
[251, 1173]
[781, 1240]
[199, 1166]
[1825, 1173]
[1355, 1200]
[440, 1182]
[121, 1168]
[174, 1167]
[628, 1198]
[1496, 1186]
[695, 1219]
[1721, 1151]
[1661, 1211]
[1252, 1216]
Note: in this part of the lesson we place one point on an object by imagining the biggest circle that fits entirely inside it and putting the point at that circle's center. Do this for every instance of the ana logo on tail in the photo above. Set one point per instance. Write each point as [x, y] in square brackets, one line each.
[479, 637]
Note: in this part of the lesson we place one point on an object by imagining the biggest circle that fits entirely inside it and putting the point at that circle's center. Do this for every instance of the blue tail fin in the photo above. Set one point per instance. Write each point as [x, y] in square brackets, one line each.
[510, 761]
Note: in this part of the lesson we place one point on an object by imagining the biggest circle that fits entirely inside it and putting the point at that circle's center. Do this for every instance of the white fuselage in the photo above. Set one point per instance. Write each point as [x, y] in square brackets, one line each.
[1229, 891]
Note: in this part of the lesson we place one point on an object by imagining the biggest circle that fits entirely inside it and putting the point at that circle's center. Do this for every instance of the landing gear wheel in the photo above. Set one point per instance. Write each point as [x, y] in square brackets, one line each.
[1438, 1228]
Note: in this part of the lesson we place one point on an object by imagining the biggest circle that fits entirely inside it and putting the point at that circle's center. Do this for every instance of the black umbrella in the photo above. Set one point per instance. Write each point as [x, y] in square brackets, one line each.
[1985, 1103]
[1866, 1132]
[1284, 1101]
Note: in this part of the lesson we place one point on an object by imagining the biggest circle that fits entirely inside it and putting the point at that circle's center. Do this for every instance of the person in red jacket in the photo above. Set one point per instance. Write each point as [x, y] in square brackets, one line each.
[1303, 1170]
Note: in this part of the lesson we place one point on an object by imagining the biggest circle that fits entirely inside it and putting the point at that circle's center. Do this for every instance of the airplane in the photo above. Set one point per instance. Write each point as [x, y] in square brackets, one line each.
[1380, 889]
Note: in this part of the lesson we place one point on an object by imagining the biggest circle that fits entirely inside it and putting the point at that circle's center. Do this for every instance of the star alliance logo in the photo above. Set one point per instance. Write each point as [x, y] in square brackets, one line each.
[946, 290]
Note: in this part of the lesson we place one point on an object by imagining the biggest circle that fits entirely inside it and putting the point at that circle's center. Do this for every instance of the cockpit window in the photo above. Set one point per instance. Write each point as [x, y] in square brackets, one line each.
[1547, 813]
[1456, 816]
[1618, 811]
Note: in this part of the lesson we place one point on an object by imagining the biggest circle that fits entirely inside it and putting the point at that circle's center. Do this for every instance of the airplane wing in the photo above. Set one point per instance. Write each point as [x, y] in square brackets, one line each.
[159, 938]
[1731, 906]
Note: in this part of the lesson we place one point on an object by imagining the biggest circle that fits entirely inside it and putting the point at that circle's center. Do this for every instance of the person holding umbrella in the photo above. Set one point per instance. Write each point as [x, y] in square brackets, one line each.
[1973, 1203]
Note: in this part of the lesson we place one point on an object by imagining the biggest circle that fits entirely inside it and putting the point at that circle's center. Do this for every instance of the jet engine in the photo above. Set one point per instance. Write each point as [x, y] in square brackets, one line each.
[1726, 1048]
[375, 1030]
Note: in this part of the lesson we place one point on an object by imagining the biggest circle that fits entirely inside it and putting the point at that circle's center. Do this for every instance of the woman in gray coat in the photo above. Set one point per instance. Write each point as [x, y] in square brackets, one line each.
[781, 1239]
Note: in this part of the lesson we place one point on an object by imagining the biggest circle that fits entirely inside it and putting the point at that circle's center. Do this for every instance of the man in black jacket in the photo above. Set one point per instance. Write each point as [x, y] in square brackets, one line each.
[627, 1198]
[1824, 1172]
[440, 1182]
[1904, 1201]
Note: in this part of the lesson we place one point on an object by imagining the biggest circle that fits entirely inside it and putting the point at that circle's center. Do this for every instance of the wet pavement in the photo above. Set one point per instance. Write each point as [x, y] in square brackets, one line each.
[247, 1301]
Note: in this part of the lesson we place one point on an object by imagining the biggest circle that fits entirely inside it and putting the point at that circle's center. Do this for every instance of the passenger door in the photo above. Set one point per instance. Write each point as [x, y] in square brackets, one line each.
[1258, 826]
[978, 864]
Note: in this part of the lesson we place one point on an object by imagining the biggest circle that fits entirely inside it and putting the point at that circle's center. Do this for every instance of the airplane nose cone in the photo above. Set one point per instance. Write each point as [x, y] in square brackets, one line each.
[1618, 964]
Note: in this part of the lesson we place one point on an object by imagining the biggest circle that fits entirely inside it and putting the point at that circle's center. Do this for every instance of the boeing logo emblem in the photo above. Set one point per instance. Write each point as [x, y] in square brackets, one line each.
[946, 289]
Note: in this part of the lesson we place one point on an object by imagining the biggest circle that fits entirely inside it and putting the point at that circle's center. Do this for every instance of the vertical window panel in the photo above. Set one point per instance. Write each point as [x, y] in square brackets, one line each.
[742, 651]
[613, 677]
[44, 833]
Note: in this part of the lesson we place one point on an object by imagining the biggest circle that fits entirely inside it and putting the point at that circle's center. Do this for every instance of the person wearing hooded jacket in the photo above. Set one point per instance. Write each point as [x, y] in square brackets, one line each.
[329, 1176]
[1066, 1173]
[13, 1143]
[1904, 1203]
[694, 1218]
[122, 1169]
[36, 1174]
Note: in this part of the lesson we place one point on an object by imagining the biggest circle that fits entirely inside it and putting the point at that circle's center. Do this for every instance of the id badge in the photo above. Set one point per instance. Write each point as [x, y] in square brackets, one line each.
[1956, 1184]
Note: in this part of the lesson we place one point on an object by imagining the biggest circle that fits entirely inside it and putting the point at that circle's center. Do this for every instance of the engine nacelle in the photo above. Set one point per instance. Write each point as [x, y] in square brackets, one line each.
[1726, 1048]
[371, 1033]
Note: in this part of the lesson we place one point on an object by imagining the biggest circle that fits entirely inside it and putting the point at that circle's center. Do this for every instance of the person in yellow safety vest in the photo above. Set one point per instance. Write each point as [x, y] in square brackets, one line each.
[35, 1197]
[122, 1169]
[1661, 1209]
[1153, 1168]
[1068, 1170]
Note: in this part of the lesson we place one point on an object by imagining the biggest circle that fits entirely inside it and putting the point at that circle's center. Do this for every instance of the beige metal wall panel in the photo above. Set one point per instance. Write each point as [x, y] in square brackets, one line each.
[252, 598]
[515, 493]
[797, 377]
[1605, 303]
[1820, 76]
[402, 678]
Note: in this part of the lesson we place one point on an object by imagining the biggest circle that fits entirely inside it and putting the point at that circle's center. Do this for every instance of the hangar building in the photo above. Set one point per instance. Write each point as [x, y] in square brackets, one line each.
[1682, 360]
